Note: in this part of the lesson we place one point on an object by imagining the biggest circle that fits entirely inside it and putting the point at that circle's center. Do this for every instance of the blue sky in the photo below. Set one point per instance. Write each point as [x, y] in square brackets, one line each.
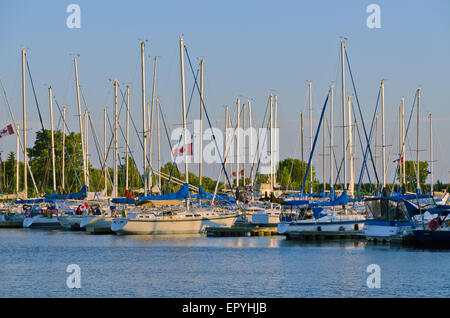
[251, 48]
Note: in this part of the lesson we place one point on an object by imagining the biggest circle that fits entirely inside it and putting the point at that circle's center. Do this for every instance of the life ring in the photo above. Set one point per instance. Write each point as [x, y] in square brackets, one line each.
[434, 225]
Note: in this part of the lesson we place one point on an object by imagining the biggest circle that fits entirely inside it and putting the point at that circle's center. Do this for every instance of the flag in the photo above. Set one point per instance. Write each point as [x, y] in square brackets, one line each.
[241, 173]
[399, 159]
[7, 131]
[178, 152]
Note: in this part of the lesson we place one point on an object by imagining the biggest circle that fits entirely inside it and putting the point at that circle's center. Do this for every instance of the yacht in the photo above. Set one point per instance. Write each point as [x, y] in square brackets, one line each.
[173, 221]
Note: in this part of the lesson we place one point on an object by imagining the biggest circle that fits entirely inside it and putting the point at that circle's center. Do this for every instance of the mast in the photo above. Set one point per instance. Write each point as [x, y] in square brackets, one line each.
[183, 102]
[310, 133]
[344, 135]
[128, 137]
[24, 125]
[150, 175]
[238, 136]
[243, 143]
[159, 141]
[400, 140]
[105, 150]
[63, 149]
[144, 114]
[403, 142]
[301, 133]
[275, 140]
[324, 152]
[271, 141]
[331, 138]
[250, 124]
[17, 161]
[86, 143]
[383, 134]
[418, 133]
[350, 138]
[431, 155]
[226, 143]
[116, 180]
[201, 123]
[376, 145]
[80, 121]
[53, 137]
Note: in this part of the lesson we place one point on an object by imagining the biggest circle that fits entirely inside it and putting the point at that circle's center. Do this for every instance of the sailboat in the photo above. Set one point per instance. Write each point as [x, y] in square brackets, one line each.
[182, 219]
[334, 217]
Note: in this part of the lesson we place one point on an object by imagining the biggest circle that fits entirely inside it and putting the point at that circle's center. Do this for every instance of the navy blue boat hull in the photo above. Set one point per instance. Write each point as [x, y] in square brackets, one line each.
[432, 237]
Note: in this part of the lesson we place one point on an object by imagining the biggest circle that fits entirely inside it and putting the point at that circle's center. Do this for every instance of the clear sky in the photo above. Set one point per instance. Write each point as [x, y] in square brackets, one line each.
[251, 48]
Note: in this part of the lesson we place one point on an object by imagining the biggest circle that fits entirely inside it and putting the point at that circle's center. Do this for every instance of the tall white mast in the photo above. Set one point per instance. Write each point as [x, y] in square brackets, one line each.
[128, 138]
[80, 120]
[226, 144]
[159, 141]
[400, 147]
[150, 178]
[105, 150]
[250, 124]
[301, 134]
[331, 138]
[200, 173]
[116, 179]
[310, 134]
[53, 137]
[271, 141]
[418, 132]
[238, 136]
[17, 161]
[244, 161]
[183, 102]
[275, 139]
[86, 143]
[324, 156]
[403, 142]
[24, 125]
[383, 135]
[350, 138]
[431, 155]
[63, 150]
[376, 145]
[144, 115]
[344, 135]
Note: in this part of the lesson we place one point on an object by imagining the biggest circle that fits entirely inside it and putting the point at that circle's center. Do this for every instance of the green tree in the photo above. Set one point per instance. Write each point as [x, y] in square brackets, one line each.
[291, 173]
[410, 175]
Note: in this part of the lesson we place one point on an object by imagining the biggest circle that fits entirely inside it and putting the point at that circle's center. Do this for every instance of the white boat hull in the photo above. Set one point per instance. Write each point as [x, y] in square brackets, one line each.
[345, 224]
[71, 222]
[41, 222]
[97, 224]
[11, 221]
[175, 226]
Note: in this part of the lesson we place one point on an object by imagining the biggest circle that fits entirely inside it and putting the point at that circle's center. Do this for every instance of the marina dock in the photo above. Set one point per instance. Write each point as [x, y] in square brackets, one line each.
[244, 229]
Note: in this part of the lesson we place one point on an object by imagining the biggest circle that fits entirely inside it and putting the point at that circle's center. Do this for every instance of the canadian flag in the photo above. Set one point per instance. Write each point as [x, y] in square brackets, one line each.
[7, 131]
[399, 159]
[178, 152]
[241, 173]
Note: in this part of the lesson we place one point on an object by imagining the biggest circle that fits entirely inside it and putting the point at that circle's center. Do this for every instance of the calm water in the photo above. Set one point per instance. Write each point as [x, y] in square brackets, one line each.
[33, 264]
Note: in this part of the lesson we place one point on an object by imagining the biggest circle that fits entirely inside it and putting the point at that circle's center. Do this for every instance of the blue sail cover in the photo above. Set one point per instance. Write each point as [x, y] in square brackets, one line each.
[181, 194]
[206, 195]
[82, 194]
[124, 200]
[341, 200]
[295, 202]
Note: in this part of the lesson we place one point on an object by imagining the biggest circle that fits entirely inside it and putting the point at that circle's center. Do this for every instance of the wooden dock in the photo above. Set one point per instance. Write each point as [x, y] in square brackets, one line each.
[244, 229]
